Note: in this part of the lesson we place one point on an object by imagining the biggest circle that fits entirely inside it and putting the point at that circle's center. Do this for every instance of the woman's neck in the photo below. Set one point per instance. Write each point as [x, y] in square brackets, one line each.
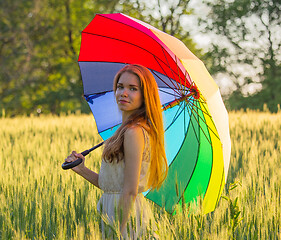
[125, 116]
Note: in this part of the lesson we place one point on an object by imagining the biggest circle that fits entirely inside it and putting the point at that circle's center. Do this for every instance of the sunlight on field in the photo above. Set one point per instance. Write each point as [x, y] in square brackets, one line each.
[39, 200]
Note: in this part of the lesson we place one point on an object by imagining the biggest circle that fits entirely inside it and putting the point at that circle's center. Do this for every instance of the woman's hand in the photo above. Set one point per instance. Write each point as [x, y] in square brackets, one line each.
[83, 171]
[73, 157]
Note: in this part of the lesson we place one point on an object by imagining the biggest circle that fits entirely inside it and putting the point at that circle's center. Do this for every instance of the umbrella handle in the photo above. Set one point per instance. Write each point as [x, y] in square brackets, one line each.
[68, 165]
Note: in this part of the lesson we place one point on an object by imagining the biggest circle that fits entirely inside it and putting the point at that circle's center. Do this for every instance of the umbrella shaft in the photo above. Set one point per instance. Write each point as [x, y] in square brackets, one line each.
[175, 102]
[86, 152]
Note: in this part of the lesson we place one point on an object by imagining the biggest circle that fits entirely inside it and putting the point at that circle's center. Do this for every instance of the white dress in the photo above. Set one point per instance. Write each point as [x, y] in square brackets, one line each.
[111, 181]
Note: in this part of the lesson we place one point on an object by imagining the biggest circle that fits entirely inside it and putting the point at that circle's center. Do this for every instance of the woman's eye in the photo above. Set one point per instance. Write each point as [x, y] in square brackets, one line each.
[133, 89]
[119, 87]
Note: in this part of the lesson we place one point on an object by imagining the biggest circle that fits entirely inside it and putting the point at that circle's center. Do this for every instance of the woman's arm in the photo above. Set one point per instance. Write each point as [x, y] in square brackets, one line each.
[83, 171]
[133, 150]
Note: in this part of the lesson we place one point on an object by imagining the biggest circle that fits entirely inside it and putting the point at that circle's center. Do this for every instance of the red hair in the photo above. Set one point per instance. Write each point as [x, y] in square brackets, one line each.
[149, 116]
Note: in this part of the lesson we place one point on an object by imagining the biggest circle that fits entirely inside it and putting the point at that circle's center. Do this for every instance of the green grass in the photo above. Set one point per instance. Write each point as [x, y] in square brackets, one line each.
[38, 200]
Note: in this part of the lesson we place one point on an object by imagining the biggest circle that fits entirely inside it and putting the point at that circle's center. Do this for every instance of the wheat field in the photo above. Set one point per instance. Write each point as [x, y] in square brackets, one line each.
[39, 200]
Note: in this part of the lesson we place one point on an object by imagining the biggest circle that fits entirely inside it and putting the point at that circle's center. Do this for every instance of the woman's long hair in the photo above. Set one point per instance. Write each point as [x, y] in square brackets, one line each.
[148, 116]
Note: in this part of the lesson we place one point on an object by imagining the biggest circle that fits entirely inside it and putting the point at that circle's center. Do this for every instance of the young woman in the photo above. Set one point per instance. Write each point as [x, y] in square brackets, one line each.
[134, 157]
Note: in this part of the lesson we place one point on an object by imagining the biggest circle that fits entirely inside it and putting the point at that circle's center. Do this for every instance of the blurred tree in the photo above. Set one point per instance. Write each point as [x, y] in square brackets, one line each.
[39, 46]
[248, 49]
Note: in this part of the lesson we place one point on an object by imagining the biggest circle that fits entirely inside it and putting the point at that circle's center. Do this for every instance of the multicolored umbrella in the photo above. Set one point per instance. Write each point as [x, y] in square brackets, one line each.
[196, 121]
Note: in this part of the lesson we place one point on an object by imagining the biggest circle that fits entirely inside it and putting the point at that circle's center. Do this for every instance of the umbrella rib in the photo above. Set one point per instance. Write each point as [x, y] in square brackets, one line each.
[97, 94]
[111, 127]
[172, 82]
[178, 83]
[170, 69]
[186, 112]
[177, 114]
[180, 106]
[185, 78]
[213, 124]
[193, 125]
[168, 61]
[168, 93]
[175, 88]
[200, 126]
[191, 106]
[204, 111]
[199, 123]
[212, 167]
[184, 105]
[182, 87]
[94, 34]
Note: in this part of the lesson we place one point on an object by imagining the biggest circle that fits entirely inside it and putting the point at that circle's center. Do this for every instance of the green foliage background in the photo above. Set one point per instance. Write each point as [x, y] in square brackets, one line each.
[247, 49]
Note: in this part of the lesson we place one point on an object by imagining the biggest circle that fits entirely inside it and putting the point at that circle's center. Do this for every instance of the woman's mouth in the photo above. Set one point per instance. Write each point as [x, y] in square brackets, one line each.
[123, 101]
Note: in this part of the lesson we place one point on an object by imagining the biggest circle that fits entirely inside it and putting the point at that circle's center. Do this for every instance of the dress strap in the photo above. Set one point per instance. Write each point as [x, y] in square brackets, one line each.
[146, 150]
[145, 134]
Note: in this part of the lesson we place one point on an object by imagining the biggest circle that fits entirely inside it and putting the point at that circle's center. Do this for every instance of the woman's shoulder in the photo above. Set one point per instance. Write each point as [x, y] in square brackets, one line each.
[138, 133]
[138, 129]
[134, 131]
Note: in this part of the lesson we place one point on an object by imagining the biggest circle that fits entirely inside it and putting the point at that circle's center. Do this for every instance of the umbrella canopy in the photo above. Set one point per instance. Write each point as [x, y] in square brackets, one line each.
[197, 138]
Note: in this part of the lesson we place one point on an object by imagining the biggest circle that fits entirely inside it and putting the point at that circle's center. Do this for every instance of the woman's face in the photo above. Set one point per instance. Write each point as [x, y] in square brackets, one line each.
[128, 93]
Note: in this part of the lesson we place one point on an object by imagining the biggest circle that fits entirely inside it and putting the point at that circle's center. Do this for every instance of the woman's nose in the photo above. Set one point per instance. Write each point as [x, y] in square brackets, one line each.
[124, 92]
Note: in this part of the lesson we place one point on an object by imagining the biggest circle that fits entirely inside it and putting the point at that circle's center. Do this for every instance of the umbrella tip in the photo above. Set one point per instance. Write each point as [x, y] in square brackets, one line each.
[194, 91]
